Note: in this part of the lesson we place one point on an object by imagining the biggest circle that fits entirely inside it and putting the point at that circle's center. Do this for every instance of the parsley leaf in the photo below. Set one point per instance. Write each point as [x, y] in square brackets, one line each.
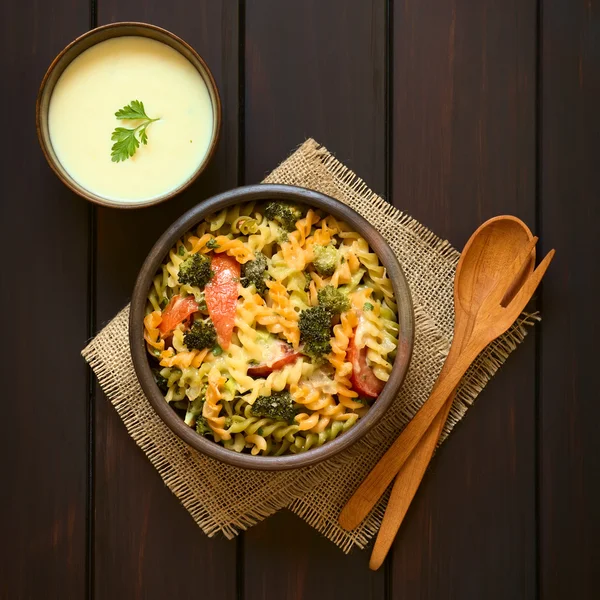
[134, 110]
[126, 142]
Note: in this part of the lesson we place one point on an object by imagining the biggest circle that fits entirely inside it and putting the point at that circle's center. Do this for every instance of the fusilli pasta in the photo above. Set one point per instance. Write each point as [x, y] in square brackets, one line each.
[315, 328]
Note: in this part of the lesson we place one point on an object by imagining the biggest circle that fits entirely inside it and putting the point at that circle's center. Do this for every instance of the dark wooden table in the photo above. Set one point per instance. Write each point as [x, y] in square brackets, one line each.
[454, 110]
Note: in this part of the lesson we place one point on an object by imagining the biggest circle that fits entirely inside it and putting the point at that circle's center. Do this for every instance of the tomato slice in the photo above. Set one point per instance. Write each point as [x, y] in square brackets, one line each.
[363, 379]
[178, 310]
[221, 294]
[283, 355]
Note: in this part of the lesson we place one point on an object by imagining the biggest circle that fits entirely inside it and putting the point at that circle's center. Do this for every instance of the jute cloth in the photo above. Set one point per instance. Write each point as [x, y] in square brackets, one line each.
[225, 499]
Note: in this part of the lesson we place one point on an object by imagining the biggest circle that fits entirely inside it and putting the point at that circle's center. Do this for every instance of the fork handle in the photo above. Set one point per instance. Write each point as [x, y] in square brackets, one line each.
[374, 485]
[406, 485]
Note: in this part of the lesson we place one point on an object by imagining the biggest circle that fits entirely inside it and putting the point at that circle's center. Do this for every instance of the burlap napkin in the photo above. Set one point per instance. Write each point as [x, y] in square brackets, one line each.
[227, 499]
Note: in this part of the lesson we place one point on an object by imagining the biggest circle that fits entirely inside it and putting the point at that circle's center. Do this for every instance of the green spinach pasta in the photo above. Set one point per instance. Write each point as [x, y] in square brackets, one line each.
[271, 328]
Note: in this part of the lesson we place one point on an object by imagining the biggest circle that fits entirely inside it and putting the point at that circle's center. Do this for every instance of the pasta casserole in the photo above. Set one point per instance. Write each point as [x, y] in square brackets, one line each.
[271, 327]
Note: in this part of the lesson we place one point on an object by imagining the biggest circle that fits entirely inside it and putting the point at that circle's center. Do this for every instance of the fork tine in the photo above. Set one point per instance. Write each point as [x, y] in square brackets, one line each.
[519, 302]
[514, 285]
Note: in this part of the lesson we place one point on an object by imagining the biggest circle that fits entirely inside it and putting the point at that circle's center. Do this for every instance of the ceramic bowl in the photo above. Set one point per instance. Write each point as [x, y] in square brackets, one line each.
[155, 258]
[83, 43]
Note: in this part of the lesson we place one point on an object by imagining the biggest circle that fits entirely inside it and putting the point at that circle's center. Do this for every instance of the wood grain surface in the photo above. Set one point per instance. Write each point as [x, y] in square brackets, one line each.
[569, 444]
[313, 69]
[146, 545]
[454, 110]
[463, 151]
[44, 242]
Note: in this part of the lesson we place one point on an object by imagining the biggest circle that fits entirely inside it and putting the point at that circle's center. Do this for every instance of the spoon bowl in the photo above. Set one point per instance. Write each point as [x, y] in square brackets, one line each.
[498, 252]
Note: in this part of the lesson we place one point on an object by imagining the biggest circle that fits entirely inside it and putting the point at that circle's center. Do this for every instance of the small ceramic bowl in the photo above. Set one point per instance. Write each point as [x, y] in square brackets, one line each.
[260, 193]
[83, 43]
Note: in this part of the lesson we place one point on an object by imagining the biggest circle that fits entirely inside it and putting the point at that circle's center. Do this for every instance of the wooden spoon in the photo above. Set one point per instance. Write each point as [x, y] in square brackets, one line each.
[490, 260]
[412, 471]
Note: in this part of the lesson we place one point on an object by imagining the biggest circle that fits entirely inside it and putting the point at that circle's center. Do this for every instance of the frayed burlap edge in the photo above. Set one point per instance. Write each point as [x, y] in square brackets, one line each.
[226, 499]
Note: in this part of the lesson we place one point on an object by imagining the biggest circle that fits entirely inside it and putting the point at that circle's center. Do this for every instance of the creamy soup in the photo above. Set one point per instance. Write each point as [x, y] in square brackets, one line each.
[106, 78]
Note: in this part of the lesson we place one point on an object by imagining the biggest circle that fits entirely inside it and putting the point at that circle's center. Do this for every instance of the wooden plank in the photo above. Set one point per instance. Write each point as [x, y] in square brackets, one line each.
[313, 69]
[463, 150]
[285, 558]
[569, 409]
[45, 240]
[146, 545]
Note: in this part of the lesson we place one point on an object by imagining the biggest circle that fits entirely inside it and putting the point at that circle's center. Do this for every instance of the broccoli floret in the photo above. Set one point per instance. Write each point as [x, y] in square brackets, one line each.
[212, 244]
[308, 279]
[193, 416]
[255, 272]
[195, 270]
[201, 335]
[200, 301]
[194, 408]
[278, 406]
[315, 323]
[161, 382]
[326, 260]
[333, 299]
[315, 330]
[317, 349]
[202, 426]
[284, 214]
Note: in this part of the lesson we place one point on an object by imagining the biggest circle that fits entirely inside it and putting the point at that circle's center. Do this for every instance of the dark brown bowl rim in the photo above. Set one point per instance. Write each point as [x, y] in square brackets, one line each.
[207, 76]
[187, 221]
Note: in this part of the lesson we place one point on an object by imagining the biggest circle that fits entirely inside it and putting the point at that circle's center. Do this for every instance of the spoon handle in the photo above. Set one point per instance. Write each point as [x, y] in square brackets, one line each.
[406, 485]
[411, 473]
[377, 481]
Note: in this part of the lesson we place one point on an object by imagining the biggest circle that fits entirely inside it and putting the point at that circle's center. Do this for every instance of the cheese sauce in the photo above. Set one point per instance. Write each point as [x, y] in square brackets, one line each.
[105, 78]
